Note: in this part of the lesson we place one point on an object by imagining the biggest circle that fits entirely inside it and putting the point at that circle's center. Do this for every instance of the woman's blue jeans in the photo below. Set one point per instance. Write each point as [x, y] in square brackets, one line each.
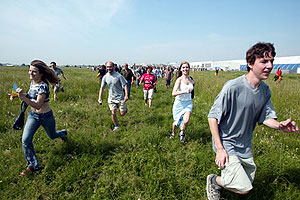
[34, 121]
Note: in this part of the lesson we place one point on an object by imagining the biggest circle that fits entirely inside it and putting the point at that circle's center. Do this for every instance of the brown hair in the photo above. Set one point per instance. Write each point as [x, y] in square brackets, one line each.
[48, 75]
[179, 73]
[259, 50]
[149, 67]
[54, 63]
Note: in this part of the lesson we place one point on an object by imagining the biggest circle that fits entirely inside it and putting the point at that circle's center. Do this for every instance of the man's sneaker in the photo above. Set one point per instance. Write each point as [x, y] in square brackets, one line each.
[62, 89]
[116, 128]
[171, 136]
[212, 190]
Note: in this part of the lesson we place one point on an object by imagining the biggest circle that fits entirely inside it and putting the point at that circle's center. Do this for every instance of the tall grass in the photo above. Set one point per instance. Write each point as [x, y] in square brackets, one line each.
[139, 161]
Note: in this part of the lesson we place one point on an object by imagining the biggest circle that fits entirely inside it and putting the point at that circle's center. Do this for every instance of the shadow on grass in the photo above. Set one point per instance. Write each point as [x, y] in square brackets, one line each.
[105, 147]
[76, 150]
[203, 135]
[292, 176]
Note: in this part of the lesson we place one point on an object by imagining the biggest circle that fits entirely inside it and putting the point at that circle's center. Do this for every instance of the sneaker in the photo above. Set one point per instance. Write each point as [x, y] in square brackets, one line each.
[64, 139]
[182, 137]
[28, 170]
[116, 128]
[171, 136]
[62, 89]
[212, 190]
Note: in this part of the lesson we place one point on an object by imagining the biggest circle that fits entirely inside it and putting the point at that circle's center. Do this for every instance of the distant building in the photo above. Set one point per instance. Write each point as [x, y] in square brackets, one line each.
[289, 64]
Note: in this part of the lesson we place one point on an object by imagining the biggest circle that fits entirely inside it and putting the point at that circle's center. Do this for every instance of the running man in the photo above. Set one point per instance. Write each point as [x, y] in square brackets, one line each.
[116, 98]
[241, 104]
[57, 87]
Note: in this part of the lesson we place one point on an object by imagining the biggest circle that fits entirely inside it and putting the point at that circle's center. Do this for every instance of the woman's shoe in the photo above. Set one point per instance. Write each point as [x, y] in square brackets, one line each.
[28, 170]
[64, 139]
[182, 138]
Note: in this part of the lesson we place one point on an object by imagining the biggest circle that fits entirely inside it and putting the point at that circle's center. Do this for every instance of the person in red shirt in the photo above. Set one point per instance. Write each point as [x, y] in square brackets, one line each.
[149, 83]
[279, 75]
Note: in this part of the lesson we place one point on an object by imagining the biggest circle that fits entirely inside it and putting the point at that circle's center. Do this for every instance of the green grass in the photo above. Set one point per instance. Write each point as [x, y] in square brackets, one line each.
[139, 161]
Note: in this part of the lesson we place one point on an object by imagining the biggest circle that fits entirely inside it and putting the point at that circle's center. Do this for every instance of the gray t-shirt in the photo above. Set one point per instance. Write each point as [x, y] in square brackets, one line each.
[57, 71]
[237, 108]
[115, 84]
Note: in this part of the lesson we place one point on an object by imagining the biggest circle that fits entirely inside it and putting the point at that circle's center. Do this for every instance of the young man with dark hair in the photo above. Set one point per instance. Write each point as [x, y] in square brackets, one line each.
[241, 104]
[56, 88]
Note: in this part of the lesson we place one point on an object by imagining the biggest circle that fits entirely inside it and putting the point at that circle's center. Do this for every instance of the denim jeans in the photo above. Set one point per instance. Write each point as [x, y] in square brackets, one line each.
[33, 122]
[129, 87]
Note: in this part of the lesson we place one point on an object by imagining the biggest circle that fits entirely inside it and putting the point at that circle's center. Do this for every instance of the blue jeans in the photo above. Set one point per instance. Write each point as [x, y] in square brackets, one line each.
[33, 122]
[129, 87]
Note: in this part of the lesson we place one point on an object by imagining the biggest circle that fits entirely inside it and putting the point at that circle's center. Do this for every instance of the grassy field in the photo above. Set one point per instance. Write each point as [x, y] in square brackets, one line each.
[139, 161]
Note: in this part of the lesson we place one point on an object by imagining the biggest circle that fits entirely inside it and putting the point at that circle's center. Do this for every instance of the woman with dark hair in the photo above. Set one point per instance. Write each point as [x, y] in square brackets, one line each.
[183, 105]
[149, 83]
[41, 114]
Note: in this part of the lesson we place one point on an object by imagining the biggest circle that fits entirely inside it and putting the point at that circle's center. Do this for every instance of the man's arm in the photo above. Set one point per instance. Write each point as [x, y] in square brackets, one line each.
[286, 126]
[126, 92]
[132, 78]
[63, 75]
[221, 155]
[100, 94]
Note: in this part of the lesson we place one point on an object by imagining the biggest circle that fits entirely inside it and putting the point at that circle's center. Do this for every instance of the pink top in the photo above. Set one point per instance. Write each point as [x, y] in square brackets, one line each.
[149, 80]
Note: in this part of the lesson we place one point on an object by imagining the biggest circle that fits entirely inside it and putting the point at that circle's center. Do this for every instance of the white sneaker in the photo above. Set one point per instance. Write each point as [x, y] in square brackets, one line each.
[182, 137]
[212, 190]
[116, 128]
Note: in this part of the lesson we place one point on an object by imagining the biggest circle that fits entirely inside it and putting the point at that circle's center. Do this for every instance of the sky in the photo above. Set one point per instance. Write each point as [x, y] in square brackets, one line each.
[73, 32]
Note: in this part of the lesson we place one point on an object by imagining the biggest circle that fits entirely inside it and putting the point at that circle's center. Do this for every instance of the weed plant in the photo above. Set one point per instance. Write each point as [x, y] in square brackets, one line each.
[139, 161]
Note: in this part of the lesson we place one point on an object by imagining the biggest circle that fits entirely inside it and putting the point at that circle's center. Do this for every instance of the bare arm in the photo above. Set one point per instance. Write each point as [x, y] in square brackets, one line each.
[221, 155]
[126, 92]
[37, 105]
[100, 94]
[175, 91]
[286, 126]
[63, 75]
[141, 79]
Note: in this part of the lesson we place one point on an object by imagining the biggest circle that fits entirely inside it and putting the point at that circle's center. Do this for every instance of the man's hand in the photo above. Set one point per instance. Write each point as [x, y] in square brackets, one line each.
[288, 126]
[126, 98]
[221, 158]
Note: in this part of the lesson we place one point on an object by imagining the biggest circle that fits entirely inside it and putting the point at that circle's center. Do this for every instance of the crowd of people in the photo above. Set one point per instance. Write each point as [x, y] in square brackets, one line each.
[241, 104]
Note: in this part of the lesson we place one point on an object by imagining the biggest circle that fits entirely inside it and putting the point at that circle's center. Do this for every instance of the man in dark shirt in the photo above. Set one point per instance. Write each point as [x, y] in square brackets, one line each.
[128, 75]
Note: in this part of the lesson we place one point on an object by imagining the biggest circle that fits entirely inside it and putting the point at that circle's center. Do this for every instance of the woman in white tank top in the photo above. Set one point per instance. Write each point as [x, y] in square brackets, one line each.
[183, 105]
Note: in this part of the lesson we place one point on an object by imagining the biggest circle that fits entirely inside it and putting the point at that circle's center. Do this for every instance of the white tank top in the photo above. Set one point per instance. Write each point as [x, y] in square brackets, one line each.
[182, 87]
